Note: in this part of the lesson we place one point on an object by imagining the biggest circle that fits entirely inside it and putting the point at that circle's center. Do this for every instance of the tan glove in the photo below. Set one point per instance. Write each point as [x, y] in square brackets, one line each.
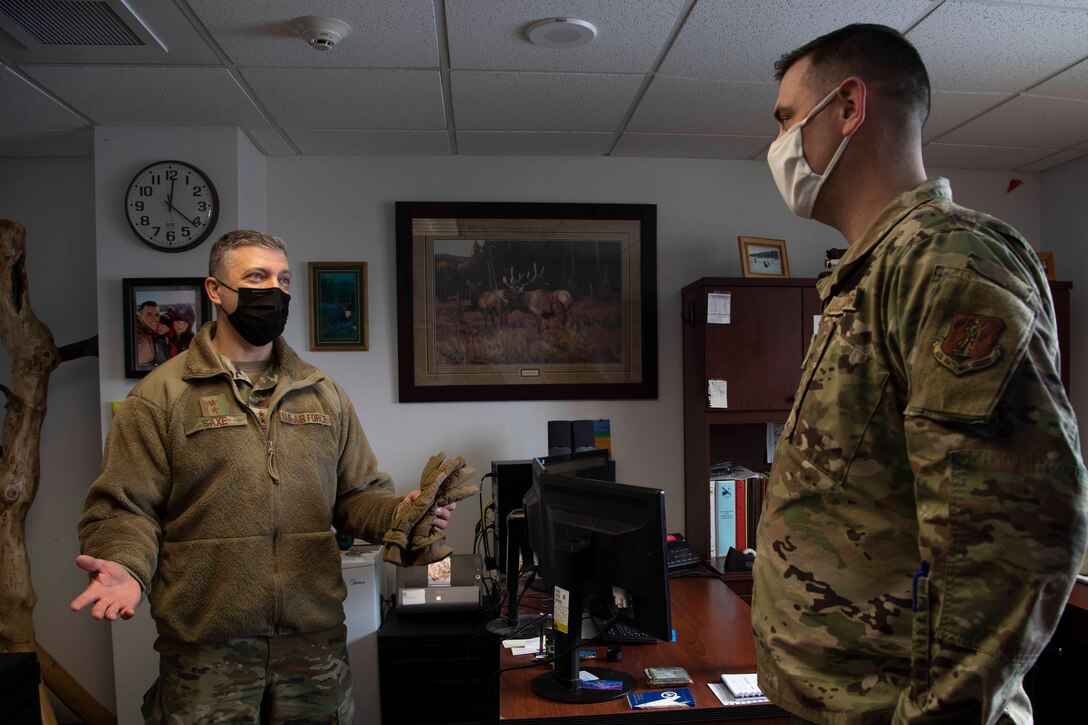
[455, 487]
[436, 471]
[441, 486]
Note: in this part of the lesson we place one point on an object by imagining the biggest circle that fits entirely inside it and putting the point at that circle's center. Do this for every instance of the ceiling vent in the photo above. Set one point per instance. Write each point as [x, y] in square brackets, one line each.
[561, 32]
[41, 23]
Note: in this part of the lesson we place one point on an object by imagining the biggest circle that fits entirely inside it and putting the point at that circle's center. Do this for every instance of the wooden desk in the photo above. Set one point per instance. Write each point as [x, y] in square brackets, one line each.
[713, 635]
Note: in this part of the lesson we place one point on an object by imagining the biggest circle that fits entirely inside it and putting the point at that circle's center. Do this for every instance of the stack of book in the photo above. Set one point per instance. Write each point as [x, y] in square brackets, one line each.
[736, 500]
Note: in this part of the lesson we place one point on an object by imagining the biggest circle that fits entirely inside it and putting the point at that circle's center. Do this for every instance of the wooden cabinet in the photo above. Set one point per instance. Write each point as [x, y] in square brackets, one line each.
[758, 354]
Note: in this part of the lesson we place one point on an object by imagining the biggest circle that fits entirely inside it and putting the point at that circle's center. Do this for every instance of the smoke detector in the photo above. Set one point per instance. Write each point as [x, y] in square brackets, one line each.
[561, 32]
[321, 33]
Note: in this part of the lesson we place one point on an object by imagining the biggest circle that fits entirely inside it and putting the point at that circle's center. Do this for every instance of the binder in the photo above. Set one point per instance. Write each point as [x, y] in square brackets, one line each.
[736, 502]
[726, 513]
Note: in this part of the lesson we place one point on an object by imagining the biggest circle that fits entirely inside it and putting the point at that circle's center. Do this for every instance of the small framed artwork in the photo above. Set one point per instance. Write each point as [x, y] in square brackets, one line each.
[1047, 260]
[761, 257]
[162, 316]
[338, 309]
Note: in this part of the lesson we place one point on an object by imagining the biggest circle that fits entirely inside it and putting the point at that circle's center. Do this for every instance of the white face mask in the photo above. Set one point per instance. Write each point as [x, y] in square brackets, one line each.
[797, 182]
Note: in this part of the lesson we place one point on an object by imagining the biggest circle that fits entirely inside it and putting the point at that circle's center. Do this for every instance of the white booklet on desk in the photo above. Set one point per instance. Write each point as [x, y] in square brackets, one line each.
[739, 689]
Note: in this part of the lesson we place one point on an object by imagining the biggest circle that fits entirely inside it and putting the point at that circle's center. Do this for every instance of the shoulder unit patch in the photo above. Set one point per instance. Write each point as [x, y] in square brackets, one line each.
[970, 344]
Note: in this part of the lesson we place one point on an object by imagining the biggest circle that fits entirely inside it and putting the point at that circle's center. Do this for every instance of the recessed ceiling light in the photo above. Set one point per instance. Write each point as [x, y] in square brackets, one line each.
[561, 32]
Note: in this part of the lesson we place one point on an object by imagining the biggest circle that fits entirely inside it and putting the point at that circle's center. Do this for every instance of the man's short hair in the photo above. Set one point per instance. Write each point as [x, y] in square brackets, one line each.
[146, 303]
[879, 55]
[217, 259]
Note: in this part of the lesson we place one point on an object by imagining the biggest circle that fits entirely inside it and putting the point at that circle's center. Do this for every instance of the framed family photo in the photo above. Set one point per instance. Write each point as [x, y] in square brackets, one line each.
[162, 316]
[338, 306]
[761, 257]
[509, 301]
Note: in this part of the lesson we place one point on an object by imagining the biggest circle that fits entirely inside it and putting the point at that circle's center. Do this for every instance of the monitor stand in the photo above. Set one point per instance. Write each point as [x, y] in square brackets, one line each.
[528, 625]
[564, 683]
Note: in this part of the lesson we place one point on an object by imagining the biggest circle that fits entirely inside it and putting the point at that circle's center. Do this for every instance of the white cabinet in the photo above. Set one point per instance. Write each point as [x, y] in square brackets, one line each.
[362, 609]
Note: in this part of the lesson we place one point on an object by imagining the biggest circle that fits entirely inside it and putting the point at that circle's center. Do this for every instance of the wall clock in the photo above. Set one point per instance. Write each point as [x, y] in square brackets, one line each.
[172, 206]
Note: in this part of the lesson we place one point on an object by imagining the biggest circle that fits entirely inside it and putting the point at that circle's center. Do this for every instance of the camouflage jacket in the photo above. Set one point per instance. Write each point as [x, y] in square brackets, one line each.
[926, 511]
[223, 509]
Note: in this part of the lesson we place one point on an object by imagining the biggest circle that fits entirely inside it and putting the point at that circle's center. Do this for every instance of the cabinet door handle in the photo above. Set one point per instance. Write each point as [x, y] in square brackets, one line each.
[689, 316]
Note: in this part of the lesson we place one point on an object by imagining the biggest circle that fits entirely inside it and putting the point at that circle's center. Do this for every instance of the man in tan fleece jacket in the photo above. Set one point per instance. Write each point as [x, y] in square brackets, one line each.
[224, 471]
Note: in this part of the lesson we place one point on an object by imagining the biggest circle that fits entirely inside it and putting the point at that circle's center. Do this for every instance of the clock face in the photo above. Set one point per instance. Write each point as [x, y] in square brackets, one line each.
[172, 206]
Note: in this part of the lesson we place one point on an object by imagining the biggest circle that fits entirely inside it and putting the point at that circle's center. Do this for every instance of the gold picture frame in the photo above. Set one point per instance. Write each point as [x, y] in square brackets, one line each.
[762, 257]
[1047, 260]
[468, 327]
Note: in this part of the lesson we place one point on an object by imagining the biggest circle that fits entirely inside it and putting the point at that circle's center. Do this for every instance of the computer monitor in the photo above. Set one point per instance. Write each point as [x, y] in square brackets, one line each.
[593, 464]
[603, 546]
[519, 480]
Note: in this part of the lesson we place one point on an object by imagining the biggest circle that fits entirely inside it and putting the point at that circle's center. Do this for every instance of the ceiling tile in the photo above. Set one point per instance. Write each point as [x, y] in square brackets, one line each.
[509, 143]
[25, 106]
[384, 33]
[690, 146]
[740, 40]
[350, 98]
[270, 142]
[949, 109]
[46, 142]
[151, 95]
[1027, 121]
[349, 142]
[706, 106]
[983, 47]
[1071, 83]
[997, 158]
[489, 101]
[1053, 160]
[489, 35]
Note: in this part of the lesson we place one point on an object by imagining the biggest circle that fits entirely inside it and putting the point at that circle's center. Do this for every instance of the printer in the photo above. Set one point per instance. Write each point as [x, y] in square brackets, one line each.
[450, 585]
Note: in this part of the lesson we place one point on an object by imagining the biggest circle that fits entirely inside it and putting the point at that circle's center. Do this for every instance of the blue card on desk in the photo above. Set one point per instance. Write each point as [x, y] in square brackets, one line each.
[650, 700]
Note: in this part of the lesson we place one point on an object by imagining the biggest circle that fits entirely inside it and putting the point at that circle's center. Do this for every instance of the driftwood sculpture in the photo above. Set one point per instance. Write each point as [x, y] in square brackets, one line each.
[33, 357]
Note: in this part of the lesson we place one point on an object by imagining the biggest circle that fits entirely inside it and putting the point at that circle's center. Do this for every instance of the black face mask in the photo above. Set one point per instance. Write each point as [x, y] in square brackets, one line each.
[261, 313]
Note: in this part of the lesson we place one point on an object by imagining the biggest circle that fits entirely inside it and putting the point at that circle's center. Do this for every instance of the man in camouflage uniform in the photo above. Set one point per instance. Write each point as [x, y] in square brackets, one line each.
[224, 472]
[926, 511]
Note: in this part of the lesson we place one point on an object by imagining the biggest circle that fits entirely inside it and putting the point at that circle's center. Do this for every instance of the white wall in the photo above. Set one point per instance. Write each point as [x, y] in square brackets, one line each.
[341, 208]
[120, 153]
[54, 200]
[1065, 233]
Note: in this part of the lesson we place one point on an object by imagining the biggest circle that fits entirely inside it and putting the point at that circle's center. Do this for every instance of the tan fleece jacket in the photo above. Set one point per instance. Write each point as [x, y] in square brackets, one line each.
[224, 517]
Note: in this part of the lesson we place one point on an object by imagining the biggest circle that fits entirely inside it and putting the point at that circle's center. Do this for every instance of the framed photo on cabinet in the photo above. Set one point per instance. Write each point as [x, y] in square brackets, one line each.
[525, 301]
[338, 308]
[760, 257]
[1047, 260]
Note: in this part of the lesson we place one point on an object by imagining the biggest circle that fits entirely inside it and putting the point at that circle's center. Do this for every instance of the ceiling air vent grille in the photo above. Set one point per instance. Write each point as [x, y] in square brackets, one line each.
[68, 22]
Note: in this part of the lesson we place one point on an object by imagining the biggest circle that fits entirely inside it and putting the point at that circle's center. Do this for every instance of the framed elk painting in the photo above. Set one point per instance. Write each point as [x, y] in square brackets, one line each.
[504, 301]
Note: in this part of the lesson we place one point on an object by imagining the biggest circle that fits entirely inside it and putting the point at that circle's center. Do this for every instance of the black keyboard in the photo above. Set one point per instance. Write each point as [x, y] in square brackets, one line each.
[621, 633]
